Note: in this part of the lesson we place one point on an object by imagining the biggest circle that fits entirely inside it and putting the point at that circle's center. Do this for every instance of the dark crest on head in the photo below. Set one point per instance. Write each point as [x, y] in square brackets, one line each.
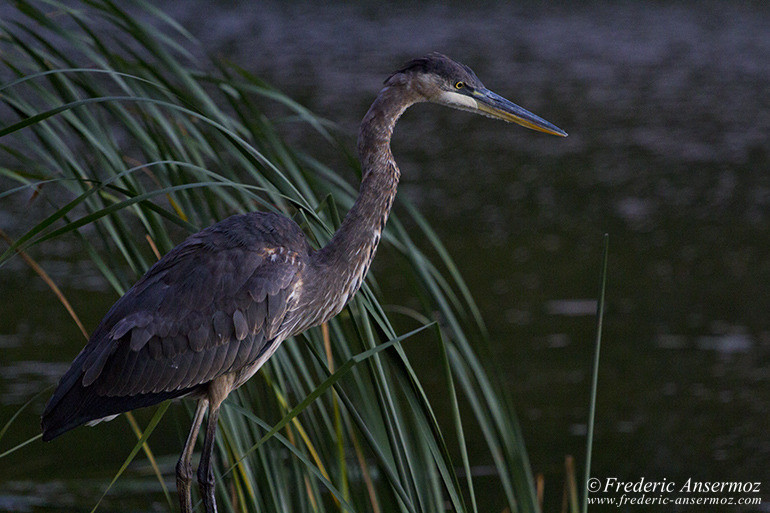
[442, 66]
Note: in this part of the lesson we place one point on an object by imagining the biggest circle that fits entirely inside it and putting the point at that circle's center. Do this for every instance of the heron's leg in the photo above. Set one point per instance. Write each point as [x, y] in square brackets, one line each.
[205, 470]
[184, 470]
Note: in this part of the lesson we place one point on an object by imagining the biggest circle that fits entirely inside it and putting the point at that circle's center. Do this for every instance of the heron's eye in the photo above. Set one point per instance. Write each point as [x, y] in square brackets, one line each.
[459, 85]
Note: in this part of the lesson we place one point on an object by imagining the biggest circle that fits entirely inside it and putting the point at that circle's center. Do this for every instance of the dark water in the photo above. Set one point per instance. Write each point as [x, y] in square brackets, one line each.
[668, 110]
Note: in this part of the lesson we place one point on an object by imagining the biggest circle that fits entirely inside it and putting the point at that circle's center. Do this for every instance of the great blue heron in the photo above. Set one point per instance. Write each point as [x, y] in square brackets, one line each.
[207, 315]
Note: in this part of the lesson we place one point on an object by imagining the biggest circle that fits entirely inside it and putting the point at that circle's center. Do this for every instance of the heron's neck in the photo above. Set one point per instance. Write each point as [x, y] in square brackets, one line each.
[344, 261]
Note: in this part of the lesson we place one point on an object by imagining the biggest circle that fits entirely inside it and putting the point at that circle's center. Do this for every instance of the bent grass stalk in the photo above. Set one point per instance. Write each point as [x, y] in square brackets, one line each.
[71, 311]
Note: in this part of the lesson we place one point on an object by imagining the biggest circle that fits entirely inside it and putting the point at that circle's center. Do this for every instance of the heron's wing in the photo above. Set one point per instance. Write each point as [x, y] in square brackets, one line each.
[209, 307]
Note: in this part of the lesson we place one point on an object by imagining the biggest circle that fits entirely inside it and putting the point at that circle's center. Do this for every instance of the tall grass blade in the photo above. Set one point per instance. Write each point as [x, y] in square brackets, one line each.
[159, 412]
[595, 374]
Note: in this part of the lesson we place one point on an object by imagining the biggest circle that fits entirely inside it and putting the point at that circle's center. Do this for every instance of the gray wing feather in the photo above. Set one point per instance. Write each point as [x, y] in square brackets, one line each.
[207, 308]
[240, 325]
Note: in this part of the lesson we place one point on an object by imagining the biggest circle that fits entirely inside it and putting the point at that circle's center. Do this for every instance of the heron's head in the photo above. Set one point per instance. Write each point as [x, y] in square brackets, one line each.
[437, 78]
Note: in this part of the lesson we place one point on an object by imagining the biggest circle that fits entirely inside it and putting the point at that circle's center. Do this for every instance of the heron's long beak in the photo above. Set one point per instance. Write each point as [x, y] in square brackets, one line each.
[496, 106]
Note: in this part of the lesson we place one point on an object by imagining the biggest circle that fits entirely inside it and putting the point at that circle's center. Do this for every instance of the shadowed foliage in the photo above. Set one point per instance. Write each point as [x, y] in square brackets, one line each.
[121, 133]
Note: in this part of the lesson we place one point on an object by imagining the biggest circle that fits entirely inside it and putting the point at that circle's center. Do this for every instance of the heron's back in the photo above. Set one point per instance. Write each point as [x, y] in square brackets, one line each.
[209, 307]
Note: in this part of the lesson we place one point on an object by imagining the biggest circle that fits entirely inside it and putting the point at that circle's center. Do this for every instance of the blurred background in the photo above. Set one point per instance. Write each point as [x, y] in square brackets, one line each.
[668, 110]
